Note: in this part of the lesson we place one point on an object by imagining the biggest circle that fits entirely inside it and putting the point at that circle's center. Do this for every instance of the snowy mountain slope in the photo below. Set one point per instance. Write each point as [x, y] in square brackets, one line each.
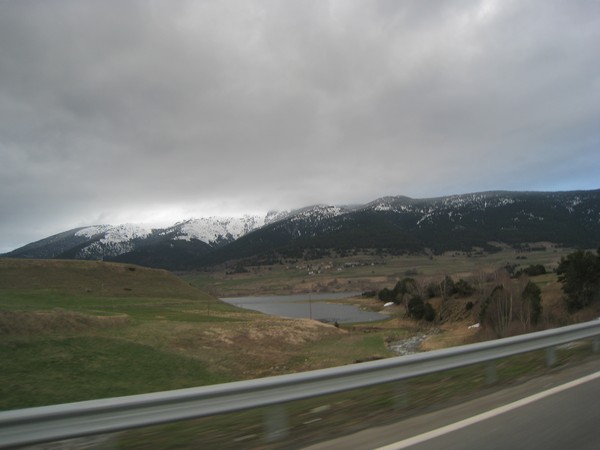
[107, 241]
[216, 230]
[519, 204]
[397, 224]
[53, 245]
[310, 220]
[402, 224]
[114, 241]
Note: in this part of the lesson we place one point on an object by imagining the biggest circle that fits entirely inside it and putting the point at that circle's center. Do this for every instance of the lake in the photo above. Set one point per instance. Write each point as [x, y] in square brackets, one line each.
[307, 306]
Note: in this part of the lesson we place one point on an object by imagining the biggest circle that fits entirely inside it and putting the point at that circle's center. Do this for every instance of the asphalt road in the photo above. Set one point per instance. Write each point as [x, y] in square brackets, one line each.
[569, 419]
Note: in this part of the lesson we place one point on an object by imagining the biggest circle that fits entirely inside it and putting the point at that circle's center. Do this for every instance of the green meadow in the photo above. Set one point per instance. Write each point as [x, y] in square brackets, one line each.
[75, 330]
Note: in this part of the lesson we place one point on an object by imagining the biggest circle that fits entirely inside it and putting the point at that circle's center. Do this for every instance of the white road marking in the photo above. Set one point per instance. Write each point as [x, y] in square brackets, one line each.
[487, 415]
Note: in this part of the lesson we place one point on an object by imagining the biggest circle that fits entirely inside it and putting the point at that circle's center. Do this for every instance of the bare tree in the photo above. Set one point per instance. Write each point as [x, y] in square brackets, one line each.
[511, 300]
[497, 310]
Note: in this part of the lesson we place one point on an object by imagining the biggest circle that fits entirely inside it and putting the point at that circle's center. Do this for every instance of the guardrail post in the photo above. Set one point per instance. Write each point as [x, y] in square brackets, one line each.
[491, 375]
[276, 423]
[596, 344]
[400, 393]
[550, 356]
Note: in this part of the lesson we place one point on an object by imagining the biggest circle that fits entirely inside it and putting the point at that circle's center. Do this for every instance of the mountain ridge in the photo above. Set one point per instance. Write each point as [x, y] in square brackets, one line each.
[393, 223]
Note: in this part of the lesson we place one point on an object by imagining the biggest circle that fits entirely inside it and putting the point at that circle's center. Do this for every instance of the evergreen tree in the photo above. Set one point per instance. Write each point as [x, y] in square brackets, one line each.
[404, 288]
[579, 273]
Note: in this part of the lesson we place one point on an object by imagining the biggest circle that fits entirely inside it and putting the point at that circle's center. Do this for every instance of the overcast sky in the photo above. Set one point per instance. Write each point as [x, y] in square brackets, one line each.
[137, 111]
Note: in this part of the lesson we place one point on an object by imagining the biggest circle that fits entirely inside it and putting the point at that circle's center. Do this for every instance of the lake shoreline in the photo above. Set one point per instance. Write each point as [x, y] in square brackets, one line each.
[324, 307]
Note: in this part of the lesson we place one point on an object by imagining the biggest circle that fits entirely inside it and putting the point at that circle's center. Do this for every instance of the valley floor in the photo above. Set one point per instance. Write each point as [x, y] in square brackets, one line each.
[75, 330]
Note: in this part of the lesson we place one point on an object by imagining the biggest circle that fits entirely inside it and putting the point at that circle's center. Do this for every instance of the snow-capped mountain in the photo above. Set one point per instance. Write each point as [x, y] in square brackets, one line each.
[108, 241]
[395, 224]
[308, 221]
[477, 201]
[404, 225]
[520, 204]
[215, 231]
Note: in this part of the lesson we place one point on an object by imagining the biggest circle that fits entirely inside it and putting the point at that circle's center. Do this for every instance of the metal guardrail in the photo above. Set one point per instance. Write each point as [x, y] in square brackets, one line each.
[56, 422]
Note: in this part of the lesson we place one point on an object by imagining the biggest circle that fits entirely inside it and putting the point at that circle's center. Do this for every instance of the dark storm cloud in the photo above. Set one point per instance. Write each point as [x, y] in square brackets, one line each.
[131, 110]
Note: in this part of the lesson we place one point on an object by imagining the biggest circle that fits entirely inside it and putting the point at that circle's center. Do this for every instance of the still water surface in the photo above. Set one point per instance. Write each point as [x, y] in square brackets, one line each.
[306, 306]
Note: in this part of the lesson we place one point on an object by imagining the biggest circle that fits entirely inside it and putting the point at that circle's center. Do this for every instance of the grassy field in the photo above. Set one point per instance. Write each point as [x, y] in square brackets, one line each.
[67, 331]
[365, 271]
[75, 330]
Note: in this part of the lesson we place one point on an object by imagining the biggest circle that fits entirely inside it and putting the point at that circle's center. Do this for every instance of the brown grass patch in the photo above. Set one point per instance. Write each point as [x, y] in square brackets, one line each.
[19, 323]
[450, 335]
[251, 348]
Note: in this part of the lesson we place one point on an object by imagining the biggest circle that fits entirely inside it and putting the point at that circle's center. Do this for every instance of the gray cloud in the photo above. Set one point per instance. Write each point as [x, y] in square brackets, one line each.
[132, 110]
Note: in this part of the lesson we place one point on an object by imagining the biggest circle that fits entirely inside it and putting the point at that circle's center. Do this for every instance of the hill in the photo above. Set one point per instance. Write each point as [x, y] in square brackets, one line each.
[94, 279]
[77, 330]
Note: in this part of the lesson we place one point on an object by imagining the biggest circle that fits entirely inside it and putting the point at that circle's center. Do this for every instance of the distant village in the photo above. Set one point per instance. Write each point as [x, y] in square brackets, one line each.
[315, 269]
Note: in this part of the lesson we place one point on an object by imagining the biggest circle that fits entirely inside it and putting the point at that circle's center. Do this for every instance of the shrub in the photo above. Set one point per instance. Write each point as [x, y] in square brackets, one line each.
[416, 307]
[404, 287]
[463, 288]
[533, 270]
[385, 295]
[432, 290]
[429, 313]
